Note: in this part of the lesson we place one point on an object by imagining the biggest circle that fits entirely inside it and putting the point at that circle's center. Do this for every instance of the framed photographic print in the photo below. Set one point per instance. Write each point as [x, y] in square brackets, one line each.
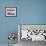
[10, 11]
[33, 32]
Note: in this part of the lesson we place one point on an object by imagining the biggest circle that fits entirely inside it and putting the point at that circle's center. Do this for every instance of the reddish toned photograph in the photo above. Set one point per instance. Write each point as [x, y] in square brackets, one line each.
[10, 11]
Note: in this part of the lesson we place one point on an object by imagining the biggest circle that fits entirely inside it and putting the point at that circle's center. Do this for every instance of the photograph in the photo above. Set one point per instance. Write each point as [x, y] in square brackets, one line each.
[31, 33]
[10, 11]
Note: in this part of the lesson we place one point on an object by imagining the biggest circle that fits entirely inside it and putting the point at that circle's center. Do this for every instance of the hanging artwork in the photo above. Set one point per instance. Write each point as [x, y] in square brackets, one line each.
[32, 32]
[10, 11]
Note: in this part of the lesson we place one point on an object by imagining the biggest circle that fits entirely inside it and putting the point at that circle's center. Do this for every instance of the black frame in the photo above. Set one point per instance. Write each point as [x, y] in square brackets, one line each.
[10, 7]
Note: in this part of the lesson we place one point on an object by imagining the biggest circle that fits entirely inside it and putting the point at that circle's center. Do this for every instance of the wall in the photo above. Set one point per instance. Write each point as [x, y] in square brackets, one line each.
[28, 12]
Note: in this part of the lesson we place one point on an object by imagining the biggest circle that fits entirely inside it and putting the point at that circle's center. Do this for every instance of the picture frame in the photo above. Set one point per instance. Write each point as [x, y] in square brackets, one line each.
[33, 30]
[10, 11]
